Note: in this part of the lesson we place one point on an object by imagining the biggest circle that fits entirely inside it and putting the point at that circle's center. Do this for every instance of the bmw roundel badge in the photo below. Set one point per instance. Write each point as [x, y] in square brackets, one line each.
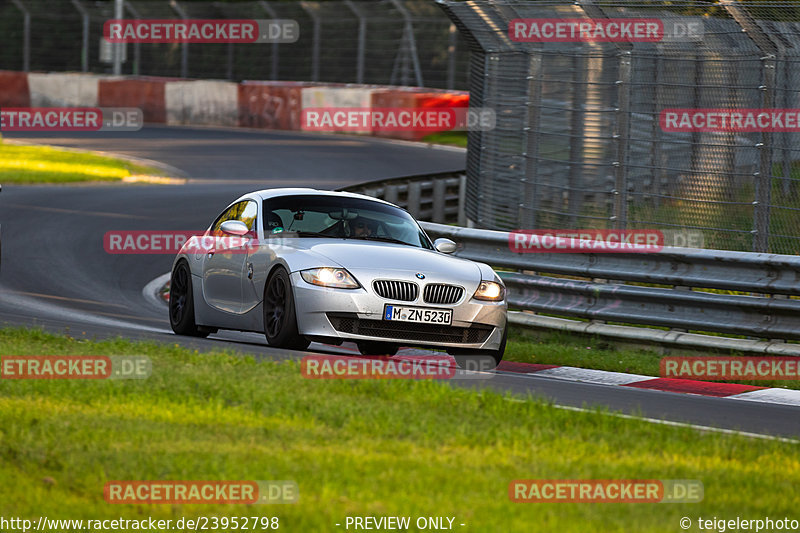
[420, 275]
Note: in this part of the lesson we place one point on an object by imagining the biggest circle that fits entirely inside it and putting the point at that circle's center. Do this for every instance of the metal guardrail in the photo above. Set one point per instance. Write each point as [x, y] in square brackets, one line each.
[607, 293]
[435, 197]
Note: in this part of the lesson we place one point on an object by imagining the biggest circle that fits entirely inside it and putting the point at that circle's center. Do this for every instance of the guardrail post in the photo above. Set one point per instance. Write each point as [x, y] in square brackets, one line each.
[763, 177]
[451, 56]
[362, 40]
[439, 193]
[275, 58]
[462, 200]
[786, 137]
[316, 42]
[390, 194]
[764, 180]
[26, 35]
[576, 145]
[137, 52]
[530, 196]
[184, 46]
[84, 35]
[414, 197]
[409, 45]
[619, 216]
[116, 48]
[656, 153]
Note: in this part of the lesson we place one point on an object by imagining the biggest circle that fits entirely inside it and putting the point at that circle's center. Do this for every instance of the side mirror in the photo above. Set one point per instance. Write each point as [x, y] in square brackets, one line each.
[446, 246]
[234, 227]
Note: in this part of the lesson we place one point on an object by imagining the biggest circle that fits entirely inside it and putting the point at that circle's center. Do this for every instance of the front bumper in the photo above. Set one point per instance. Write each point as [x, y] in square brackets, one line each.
[357, 314]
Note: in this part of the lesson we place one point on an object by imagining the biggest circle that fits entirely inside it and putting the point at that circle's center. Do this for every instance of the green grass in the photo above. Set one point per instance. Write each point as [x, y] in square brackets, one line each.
[355, 448]
[42, 164]
[453, 138]
[561, 348]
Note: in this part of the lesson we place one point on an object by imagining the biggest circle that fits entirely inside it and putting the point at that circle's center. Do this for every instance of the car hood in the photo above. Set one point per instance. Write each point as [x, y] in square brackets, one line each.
[387, 259]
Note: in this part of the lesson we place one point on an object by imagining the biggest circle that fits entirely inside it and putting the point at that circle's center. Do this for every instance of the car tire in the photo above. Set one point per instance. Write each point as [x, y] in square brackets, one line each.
[480, 359]
[280, 316]
[181, 303]
[377, 348]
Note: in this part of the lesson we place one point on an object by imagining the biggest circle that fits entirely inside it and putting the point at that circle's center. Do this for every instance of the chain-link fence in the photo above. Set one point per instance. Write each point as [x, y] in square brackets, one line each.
[388, 42]
[581, 141]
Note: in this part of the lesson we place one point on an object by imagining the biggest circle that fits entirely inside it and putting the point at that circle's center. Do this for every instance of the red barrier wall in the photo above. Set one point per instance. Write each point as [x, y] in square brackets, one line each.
[260, 104]
[271, 105]
[145, 93]
[415, 99]
[14, 89]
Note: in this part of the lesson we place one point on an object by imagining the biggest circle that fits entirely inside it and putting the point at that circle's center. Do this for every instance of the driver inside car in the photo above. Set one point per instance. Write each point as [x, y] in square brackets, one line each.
[363, 227]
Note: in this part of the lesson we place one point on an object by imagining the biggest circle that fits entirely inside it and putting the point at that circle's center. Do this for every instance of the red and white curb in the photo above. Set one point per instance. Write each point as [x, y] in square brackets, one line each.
[734, 391]
[685, 386]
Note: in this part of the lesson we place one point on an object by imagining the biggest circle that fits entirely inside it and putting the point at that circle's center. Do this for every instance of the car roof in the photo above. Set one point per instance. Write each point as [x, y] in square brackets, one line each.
[292, 191]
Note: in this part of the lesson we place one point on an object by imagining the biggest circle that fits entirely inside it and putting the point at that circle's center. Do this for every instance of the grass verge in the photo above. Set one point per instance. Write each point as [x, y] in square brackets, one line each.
[561, 348]
[43, 164]
[452, 138]
[355, 448]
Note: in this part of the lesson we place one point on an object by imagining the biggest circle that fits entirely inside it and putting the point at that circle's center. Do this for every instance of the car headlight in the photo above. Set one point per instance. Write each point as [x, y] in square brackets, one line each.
[490, 291]
[337, 278]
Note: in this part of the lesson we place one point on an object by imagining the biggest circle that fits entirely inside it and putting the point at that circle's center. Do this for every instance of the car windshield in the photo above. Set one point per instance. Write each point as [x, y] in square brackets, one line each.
[342, 218]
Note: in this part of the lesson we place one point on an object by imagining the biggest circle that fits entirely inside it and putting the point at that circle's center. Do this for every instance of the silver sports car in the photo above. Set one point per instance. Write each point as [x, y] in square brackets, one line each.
[304, 265]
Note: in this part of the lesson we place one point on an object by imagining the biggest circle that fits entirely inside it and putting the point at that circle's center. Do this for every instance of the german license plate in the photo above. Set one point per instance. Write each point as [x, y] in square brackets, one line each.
[418, 314]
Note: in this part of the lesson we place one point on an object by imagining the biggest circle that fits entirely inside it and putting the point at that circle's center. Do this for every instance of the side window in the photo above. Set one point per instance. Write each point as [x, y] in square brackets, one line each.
[273, 220]
[249, 215]
[232, 213]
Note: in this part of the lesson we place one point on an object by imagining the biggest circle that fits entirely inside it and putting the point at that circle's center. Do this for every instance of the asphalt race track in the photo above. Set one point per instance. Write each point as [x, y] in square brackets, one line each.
[56, 274]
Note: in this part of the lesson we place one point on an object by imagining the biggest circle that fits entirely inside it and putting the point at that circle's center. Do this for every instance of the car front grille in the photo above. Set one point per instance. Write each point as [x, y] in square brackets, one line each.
[403, 291]
[439, 293]
[410, 331]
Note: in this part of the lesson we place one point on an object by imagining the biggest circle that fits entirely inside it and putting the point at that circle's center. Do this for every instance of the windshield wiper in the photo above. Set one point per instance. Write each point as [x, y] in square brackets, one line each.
[382, 239]
[315, 234]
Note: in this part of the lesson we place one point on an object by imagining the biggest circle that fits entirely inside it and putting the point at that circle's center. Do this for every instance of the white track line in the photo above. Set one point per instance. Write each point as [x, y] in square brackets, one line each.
[774, 396]
[588, 375]
[670, 423]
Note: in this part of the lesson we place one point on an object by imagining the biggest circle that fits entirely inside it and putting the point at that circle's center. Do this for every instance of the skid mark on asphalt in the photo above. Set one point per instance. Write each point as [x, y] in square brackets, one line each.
[63, 298]
[15, 302]
[77, 211]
